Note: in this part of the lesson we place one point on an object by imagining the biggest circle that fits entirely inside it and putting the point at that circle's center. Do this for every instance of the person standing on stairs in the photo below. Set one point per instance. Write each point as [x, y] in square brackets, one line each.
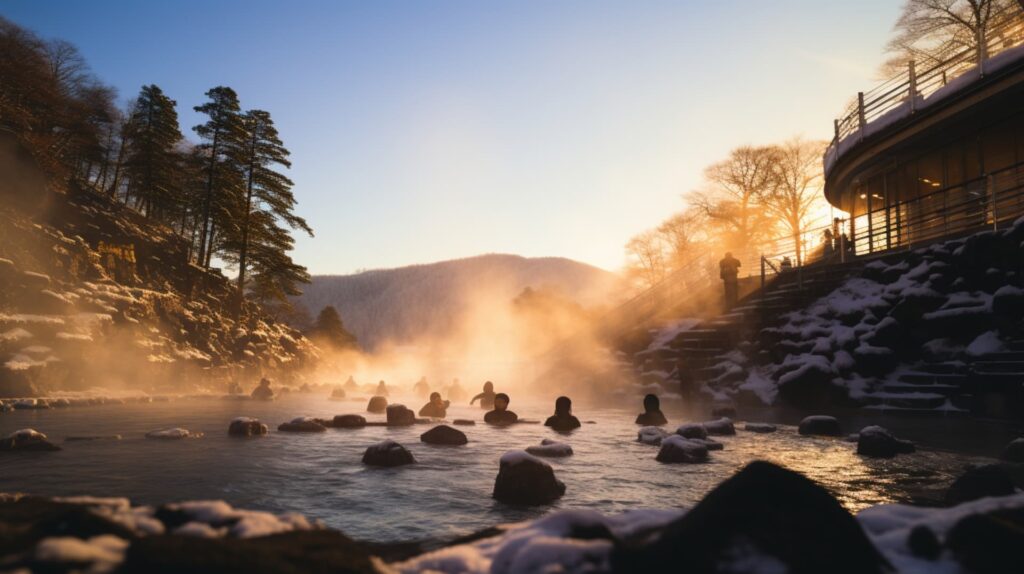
[729, 270]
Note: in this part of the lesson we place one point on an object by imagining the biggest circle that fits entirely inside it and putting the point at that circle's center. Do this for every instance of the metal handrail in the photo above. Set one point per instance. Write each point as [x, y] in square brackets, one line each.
[911, 87]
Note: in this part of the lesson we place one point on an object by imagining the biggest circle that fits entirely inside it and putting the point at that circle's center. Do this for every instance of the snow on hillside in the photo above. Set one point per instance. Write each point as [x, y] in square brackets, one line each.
[403, 304]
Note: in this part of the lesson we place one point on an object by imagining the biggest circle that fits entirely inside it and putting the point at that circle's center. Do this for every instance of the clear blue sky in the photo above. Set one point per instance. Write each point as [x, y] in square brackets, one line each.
[424, 130]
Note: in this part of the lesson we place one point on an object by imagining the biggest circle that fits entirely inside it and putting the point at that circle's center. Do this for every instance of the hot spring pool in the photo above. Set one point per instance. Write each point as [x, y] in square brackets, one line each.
[448, 493]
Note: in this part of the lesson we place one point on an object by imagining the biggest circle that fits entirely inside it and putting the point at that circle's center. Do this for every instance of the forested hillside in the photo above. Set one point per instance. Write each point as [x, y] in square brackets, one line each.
[401, 305]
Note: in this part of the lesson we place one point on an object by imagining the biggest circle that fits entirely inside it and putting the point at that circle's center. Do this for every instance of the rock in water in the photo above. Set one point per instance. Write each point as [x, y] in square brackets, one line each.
[348, 421]
[551, 448]
[1014, 452]
[678, 449]
[302, 424]
[692, 430]
[526, 480]
[377, 405]
[759, 427]
[444, 434]
[387, 453]
[877, 442]
[246, 426]
[400, 416]
[651, 435]
[820, 425]
[720, 427]
[979, 482]
[27, 440]
[723, 409]
[464, 422]
[762, 510]
[173, 434]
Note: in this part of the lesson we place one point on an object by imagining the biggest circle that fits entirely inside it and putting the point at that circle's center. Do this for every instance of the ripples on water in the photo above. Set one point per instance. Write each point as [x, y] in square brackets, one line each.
[447, 494]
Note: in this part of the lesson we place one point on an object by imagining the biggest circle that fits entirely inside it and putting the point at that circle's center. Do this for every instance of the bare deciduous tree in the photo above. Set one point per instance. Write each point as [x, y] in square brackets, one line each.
[931, 31]
[646, 253]
[797, 187]
[733, 198]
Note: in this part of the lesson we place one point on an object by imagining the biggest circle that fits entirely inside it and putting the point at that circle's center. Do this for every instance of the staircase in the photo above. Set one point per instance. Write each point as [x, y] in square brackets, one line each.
[695, 352]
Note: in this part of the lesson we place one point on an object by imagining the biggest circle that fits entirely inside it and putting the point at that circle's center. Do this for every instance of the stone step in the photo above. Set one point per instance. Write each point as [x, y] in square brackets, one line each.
[942, 411]
[998, 366]
[920, 378]
[943, 367]
[906, 388]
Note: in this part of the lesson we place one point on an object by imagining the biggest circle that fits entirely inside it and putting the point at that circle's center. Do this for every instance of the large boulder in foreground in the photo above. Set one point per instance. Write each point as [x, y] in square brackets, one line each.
[678, 449]
[247, 426]
[400, 416]
[980, 482]
[444, 434]
[26, 440]
[878, 442]
[820, 425]
[387, 453]
[377, 405]
[302, 424]
[762, 511]
[989, 543]
[524, 479]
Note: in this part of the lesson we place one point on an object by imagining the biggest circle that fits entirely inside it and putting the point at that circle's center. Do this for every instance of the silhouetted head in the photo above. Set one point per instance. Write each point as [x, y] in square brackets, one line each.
[435, 397]
[563, 405]
[489, 387]
[728, 254]
[500, 401]
[652, 403]
[264, 382]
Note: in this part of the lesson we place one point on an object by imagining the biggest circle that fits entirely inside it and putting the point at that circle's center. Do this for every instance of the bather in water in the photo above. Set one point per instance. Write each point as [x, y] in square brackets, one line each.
[501, 415]
[421, 388]
[487, 397]
[456, 393]
[263, 392]
[563, 420]
[350, 385]
[382, 390]
[652, 415]
[436, 408]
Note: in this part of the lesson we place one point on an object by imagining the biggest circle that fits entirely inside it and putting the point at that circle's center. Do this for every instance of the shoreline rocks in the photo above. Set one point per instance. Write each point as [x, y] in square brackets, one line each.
[177, 433]
[760, 427]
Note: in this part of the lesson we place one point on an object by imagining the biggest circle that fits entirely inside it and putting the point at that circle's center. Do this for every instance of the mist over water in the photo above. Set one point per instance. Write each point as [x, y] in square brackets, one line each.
[448, 492]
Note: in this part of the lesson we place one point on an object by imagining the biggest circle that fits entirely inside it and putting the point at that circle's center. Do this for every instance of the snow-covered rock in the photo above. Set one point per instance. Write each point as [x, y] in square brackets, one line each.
[691, 430]
[820, 425]
[877, 442]
[302, 424]
[1014, 451]
[651, 435]
[348, 421]
[759, 427]
[26, 440]
[550, 448]
[176, 433]
[678, 449]
[247, 426]
[720, 427]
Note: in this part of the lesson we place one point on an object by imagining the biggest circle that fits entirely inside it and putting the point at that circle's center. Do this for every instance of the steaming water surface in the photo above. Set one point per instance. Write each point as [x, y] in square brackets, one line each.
[448, 493]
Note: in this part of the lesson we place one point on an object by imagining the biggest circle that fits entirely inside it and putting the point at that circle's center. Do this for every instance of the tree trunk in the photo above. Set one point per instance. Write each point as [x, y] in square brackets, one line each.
[203, 238]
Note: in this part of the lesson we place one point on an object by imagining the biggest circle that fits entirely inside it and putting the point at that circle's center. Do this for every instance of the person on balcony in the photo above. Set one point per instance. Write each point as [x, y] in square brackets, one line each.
[729, 270]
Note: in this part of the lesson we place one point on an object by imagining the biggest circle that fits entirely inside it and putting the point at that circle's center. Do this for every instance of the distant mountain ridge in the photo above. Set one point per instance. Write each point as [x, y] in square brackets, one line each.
[402, 304]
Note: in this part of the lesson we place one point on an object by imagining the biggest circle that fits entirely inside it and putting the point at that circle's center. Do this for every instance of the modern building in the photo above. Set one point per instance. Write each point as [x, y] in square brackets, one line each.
[935, 152]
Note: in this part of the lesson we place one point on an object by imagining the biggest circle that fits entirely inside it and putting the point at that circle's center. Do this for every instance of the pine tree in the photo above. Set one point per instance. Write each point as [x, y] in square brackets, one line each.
[261, 242]
[151, 161]
[329, 329]
[224, 139]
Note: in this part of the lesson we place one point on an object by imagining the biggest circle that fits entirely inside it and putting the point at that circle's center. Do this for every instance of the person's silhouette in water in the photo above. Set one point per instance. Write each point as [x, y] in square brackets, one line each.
[421, 388]
[382, 389]
[486, 398]
[436, 408]
[563, 420]
[263, 392]
[652, 415]
[500, 415]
